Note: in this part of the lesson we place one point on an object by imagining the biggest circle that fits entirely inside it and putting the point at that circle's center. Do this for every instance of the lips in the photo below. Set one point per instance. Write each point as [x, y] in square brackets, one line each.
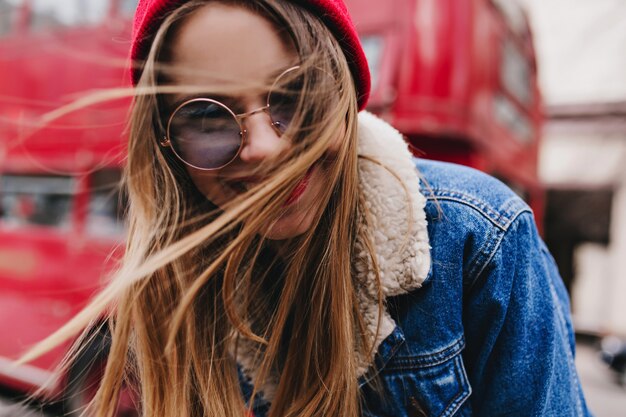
[300, 188]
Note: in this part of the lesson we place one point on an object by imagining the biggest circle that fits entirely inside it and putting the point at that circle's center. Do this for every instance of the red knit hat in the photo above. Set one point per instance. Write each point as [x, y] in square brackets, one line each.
[334, 13]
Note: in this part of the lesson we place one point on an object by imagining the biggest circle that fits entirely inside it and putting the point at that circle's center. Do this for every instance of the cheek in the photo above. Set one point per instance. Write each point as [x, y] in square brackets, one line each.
[334, 145]
[299, 218]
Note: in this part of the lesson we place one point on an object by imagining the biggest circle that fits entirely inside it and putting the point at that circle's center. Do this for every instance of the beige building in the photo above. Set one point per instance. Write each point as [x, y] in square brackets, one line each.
[581, 47]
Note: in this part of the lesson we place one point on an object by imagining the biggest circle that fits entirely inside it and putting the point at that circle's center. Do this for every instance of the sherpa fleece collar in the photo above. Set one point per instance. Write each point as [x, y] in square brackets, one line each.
[397, 223]
[397, 229]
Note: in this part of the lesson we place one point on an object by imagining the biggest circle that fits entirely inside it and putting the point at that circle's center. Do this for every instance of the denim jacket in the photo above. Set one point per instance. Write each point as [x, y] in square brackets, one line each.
[488, 332]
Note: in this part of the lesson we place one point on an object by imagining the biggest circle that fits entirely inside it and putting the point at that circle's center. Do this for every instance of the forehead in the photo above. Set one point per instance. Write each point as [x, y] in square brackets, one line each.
[227, 42]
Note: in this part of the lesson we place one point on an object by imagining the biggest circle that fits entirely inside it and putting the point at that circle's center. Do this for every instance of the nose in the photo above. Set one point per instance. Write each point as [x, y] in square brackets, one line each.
[262, 141]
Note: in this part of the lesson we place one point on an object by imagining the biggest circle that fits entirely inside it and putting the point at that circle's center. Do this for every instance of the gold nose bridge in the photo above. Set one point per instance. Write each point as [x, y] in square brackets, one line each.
[242, 116]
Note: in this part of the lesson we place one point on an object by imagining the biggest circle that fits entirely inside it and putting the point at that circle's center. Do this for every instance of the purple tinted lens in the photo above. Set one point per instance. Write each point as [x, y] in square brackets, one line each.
[284, 99]
[205, 134]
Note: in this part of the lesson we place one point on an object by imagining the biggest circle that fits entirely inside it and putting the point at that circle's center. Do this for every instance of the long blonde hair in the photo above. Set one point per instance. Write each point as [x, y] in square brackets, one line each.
[195, 279]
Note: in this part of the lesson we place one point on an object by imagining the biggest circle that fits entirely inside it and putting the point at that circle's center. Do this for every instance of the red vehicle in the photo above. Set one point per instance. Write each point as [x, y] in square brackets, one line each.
[59, 211]
[457, 77]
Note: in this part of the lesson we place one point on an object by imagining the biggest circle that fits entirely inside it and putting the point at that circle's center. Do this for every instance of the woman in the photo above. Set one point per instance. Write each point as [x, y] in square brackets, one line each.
[286, 258]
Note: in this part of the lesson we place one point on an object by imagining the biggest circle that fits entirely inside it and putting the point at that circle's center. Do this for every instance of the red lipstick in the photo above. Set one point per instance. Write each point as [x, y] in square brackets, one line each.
[300, 188]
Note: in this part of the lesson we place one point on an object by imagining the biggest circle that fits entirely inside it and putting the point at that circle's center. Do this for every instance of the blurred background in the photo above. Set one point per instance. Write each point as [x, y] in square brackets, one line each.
[530, 91]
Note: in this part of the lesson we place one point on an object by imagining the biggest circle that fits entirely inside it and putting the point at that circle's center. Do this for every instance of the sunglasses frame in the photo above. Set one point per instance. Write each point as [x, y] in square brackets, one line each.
[166, 141]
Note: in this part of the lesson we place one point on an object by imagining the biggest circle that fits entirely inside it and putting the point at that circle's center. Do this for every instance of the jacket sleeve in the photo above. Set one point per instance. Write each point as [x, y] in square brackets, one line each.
[520, 341]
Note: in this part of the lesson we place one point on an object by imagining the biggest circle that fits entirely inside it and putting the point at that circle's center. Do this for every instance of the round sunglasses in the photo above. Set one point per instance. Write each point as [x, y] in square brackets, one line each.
[206, 134]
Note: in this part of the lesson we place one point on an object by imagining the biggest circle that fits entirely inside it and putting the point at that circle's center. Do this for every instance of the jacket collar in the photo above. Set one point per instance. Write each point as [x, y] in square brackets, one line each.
[396, 223]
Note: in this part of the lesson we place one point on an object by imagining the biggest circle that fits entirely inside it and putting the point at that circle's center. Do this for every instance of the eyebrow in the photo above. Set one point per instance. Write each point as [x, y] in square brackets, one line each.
[227, 100]
[221, 97]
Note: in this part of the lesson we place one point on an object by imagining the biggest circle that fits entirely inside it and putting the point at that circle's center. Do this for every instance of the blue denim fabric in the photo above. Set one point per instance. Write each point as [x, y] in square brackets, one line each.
[489, 333]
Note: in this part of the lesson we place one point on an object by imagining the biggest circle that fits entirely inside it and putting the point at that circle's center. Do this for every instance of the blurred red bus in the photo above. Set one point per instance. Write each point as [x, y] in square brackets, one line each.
[457, 77]
[59, 201]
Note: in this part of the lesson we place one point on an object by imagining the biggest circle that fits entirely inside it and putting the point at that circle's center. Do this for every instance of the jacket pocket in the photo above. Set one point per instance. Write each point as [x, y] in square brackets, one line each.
[429, 385]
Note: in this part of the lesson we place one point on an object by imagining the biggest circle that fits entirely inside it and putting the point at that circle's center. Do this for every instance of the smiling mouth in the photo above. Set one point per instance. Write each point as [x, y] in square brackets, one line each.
[300, 187]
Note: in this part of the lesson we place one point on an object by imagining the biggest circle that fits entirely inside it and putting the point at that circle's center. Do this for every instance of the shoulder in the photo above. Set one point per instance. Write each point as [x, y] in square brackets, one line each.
[470, 216]
[470, 191]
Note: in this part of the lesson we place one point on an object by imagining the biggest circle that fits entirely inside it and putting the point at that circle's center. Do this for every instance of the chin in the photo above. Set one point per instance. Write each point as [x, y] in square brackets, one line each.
[291, 225]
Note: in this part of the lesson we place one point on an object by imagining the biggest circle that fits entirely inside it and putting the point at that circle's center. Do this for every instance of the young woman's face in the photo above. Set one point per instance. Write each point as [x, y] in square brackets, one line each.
[241, 45]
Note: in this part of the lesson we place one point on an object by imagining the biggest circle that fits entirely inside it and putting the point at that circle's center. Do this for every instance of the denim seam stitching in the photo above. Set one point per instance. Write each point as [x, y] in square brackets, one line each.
[392, 352]
[479, 206]
[514, 205]
[570, 360]
[492, 215]
[424, 361]
[496, 248]
[451, 404]
[454, 404]
[484, 255]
